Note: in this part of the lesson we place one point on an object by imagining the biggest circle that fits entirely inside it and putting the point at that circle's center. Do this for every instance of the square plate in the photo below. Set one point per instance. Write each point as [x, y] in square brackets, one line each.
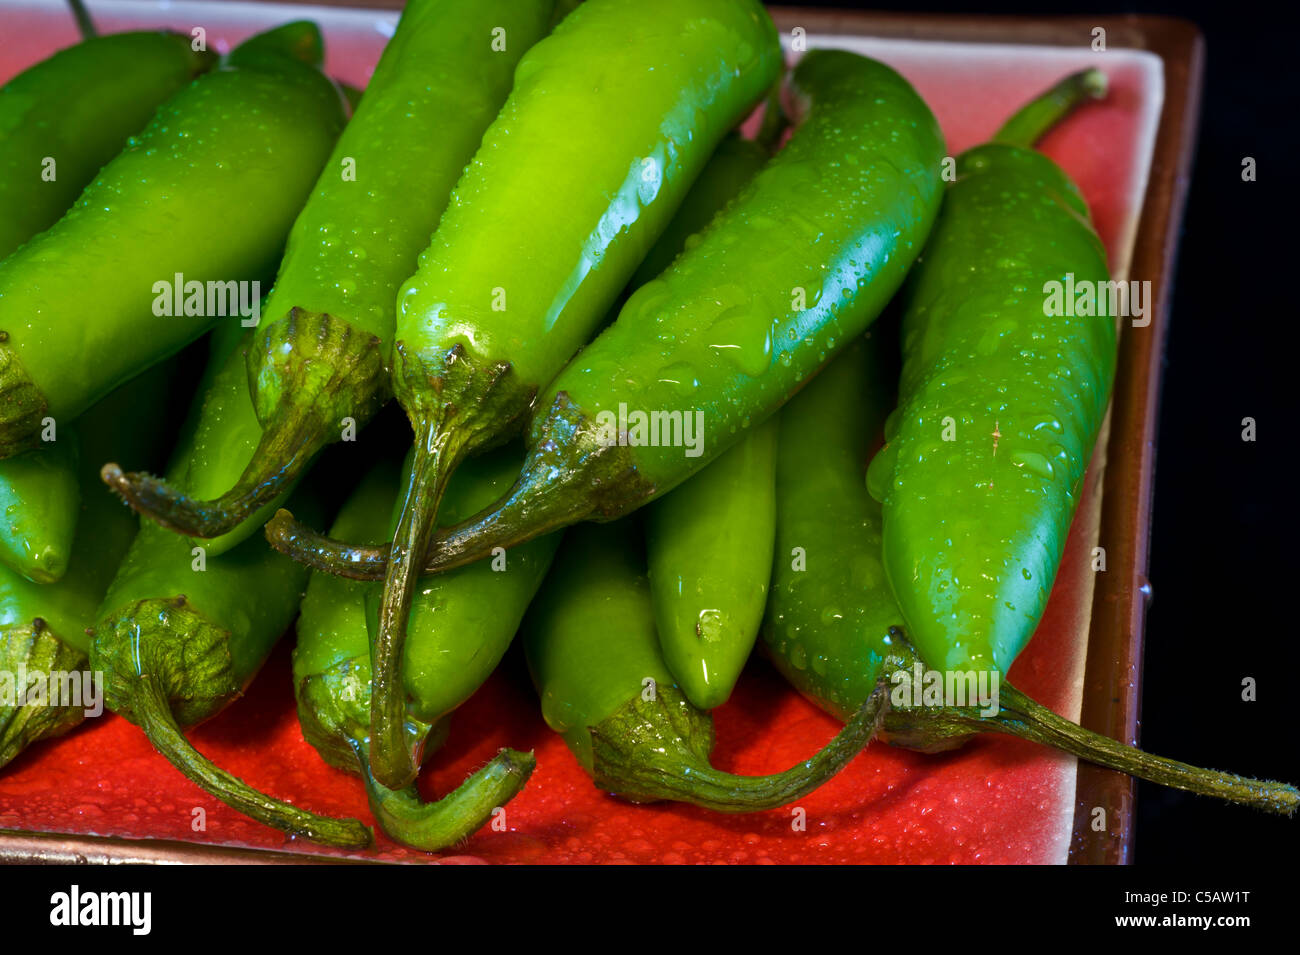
[103, 793]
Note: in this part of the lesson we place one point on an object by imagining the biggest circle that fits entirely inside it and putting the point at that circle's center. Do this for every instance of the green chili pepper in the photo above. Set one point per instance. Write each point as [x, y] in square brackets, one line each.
[298, 40]
[180, 633]
[43, 626]
[832, 223]
[319, 368]
[833, 627]
[1000, 402]
[540, 236]
[710, 544]
[830, 620]
[733, 164]
[65, 117]
[591, 647]
[41, 490]
[461, 625]
[40, 497]
[207, 193]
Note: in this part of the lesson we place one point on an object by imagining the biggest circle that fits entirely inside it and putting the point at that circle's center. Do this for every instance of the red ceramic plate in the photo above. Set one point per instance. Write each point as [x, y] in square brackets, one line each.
[997, 800]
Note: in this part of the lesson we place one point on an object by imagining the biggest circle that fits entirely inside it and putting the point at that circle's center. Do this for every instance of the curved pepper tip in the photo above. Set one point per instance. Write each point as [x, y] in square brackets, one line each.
[1095, 83]
[112, 475]
[435, 826]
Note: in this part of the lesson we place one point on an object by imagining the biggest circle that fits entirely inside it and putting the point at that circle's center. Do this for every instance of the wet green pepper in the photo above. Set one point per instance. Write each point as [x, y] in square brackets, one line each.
[43, 626]
[65, 117]
[540, 236]
[41, 490]
[710, 544]
[319, 369]
[733, 164]
[830, 619]
[461, 625]
[591, 646]
[799, 264]
[40, 498]
[834, 629]
[1001, 399]
[181, 633]
[90, 302]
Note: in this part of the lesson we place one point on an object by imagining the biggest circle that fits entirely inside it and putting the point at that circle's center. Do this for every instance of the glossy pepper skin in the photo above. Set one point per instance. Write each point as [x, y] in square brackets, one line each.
[833, 627]
[319, 366]
[40, 497]
[62, 110]
[43, 626]
[180, 633]
[647, 93]
[541, 234]
[709, 543]
[1000, 405]
[802, 261]
[41, 491]
[461, 625]
[75, 111]
[461, 622]
[733, 164]
[795, 268]
[834, 630]
[591, 646]
[77, 302]
[830, 620]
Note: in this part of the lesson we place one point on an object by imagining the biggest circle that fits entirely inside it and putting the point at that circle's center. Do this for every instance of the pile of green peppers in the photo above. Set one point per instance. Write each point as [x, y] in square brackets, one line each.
[650, 327]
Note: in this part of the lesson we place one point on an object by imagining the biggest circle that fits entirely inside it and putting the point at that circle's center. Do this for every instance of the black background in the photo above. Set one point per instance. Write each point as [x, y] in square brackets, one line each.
[1224, 554]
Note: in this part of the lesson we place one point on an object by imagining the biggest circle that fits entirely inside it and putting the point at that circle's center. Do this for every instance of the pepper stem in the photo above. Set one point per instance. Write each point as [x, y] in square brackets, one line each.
[1034, 119]
[572, 473]
[435, 826]
[659, 749]
[308, 372]
[516, 519]
[85, 25]
[941, 727]
[285, 450]
[393, 759]
[152, 712]
[327, 554]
